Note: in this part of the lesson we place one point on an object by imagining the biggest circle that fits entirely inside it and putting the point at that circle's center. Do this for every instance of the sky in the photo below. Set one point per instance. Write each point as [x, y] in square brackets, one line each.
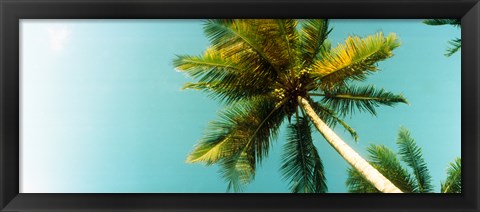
[102, 110]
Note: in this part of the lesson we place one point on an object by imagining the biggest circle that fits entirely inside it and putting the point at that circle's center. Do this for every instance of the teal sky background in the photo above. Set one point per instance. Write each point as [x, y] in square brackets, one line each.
[102, 110]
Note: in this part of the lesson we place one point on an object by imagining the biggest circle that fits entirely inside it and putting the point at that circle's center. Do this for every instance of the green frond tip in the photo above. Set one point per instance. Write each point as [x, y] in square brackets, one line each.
[455, 44]
[352, 132]
[403, 99]
[194, 86]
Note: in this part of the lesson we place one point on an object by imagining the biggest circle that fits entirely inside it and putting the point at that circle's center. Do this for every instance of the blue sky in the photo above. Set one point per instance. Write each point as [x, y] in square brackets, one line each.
[102, 109]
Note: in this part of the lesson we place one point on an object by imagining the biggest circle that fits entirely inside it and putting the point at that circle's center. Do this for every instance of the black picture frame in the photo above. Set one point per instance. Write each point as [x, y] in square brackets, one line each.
[11, 11]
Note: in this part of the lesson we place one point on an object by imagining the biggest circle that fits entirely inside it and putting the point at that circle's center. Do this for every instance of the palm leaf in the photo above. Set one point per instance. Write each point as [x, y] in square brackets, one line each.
[222, 77]
[233, 35]
[287, 41]
[453, 183]
[254, 41]
[354, 59]
[411, 154]
[239, 169]
[437, 22]
[209, 65]
[301, 163]
[254, 122]
[229, 94]
[239, 139]
[456, 44]
[314, 32]
[347, 99]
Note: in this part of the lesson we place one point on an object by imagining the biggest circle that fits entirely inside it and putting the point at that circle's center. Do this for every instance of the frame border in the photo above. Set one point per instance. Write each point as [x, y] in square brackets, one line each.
[11, 11]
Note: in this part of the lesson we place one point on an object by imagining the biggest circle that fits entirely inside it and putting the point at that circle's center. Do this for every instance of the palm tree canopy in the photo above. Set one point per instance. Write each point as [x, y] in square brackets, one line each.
[258, 68]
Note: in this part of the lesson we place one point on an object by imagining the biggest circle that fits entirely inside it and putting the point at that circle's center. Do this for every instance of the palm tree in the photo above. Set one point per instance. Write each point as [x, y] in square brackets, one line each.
[386, 161]
[455, 43]
[269, 70]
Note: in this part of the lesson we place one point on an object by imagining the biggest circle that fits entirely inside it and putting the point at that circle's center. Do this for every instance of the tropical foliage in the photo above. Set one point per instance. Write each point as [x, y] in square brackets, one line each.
[456, 43]
[267, 71]
[414, 179]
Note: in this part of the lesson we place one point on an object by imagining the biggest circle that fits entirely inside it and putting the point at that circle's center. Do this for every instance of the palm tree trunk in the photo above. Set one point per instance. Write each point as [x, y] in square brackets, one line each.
[353, 158]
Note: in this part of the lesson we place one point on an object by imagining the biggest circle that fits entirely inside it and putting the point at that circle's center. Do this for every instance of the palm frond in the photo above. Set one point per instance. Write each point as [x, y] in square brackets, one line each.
[222, 137]
[453, 183]
[354, 59]
[313, 34]
[301, 164]
[437, 22]
[411, 154]
[239, 139]
[239, 169]
[255, 121]
[347, 99]
[287, 42]
[254, 41]
[237, 90]
[221, 77]
[455, 44]
[386, 162]
[233, 35]
[208, 65]
[331, 119]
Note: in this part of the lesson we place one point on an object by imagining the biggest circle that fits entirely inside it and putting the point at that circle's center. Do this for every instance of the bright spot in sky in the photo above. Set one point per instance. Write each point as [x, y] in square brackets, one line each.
[58, 37]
